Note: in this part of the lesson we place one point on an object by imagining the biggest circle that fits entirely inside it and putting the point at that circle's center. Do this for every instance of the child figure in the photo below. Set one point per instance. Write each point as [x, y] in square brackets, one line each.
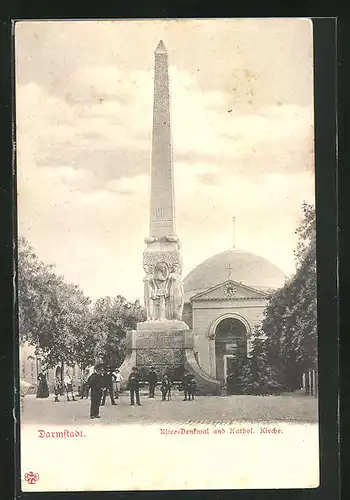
[57, 387]
[68, 382]
[166, 388]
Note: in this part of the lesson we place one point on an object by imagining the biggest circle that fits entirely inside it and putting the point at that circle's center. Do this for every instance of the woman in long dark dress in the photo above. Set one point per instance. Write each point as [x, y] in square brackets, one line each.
[43, 389]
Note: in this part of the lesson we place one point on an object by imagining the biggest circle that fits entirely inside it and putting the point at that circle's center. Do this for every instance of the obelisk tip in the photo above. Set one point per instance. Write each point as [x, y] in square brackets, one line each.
[161, 48]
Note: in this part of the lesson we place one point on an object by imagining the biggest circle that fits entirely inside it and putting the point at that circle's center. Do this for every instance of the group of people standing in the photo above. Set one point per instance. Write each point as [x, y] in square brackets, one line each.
[59, 387]
[105, 381]
[97, 382]
[101, 383]
[110, 384]
[188, 384]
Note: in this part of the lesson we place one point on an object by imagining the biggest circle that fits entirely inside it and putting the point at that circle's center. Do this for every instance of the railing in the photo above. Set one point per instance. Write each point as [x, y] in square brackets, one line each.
[310, 383]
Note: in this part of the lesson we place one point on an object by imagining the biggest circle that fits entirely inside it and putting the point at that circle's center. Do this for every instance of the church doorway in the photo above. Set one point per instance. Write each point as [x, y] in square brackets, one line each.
[230, 346]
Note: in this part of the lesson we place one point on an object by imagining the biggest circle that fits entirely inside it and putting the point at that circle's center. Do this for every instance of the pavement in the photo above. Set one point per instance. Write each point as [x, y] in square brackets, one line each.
[204, 409]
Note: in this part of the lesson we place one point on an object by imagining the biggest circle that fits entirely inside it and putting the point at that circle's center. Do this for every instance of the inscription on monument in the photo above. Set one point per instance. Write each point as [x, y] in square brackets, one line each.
[162, 340]
[161, 214]
[160, 357]
[162, 222]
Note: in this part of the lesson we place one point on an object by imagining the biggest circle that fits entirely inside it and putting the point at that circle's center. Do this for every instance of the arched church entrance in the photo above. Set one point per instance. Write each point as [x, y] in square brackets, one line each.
[230, 346]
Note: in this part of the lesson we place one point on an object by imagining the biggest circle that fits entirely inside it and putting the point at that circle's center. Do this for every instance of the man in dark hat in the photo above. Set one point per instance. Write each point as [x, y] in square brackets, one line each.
[152, 382]
[134, 386]
[184, 383]
[95, 383]
[108, 386]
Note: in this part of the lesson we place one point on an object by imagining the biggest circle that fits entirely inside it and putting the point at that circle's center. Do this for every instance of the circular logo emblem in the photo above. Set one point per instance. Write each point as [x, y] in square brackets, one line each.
[230, 290]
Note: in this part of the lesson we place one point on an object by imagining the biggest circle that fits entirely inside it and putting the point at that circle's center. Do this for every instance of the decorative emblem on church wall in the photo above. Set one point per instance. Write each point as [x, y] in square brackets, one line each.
[230, 290]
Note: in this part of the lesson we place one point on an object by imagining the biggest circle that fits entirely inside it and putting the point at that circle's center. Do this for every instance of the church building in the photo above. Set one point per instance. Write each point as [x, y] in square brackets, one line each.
[225, 298]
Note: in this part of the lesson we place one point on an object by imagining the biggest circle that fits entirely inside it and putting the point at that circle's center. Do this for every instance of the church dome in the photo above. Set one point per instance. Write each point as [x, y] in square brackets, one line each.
[247, 268]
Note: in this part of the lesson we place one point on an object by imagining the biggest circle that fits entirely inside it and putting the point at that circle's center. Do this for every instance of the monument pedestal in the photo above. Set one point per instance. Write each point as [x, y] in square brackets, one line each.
[168, 351]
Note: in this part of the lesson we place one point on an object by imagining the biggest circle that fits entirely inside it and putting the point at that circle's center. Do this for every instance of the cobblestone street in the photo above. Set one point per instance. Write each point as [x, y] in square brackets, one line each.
[205, 409]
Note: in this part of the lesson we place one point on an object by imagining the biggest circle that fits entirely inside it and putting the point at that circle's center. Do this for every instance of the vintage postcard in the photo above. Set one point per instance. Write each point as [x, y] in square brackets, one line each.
[166, 255]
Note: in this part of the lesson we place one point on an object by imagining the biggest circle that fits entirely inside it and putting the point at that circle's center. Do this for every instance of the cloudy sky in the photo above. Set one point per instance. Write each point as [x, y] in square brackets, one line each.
[242, 125]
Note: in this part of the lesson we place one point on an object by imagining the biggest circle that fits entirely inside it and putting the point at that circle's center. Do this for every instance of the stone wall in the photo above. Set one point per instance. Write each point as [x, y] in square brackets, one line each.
[187, 314]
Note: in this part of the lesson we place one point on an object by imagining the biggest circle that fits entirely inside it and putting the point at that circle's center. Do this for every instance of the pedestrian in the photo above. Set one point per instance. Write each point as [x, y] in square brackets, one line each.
[166, 388]
[68, 384]
[118, 381]
[192, 386]
[152, 382]
[95, 383]
[134, 386]
[43, 389]
[184, 381]
[108, 386]
[84, 385]
[57, 388]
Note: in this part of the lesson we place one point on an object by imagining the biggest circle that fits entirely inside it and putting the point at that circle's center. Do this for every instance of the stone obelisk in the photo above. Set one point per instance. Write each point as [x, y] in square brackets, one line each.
[162, 213]
[163, 341]
[162, 259]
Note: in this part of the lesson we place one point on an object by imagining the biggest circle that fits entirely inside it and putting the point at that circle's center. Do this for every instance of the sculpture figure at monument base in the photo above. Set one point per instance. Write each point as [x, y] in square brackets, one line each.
[149, 294]
[163, 286]
[176, 293]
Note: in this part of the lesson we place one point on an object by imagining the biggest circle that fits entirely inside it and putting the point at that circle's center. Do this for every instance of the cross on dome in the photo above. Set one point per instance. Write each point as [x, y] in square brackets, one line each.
[230, 268]
[234, 232]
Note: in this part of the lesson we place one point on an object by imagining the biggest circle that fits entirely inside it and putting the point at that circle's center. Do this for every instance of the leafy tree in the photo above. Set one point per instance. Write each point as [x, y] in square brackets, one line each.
[52, 313]
[290, 322]
[85, 342]
[306, 233]
[62, 324]
[112, 317]
[285, 345]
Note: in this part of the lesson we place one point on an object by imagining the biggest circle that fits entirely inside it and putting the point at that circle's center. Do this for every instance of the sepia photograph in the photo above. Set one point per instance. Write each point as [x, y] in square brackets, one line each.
[166, 245]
